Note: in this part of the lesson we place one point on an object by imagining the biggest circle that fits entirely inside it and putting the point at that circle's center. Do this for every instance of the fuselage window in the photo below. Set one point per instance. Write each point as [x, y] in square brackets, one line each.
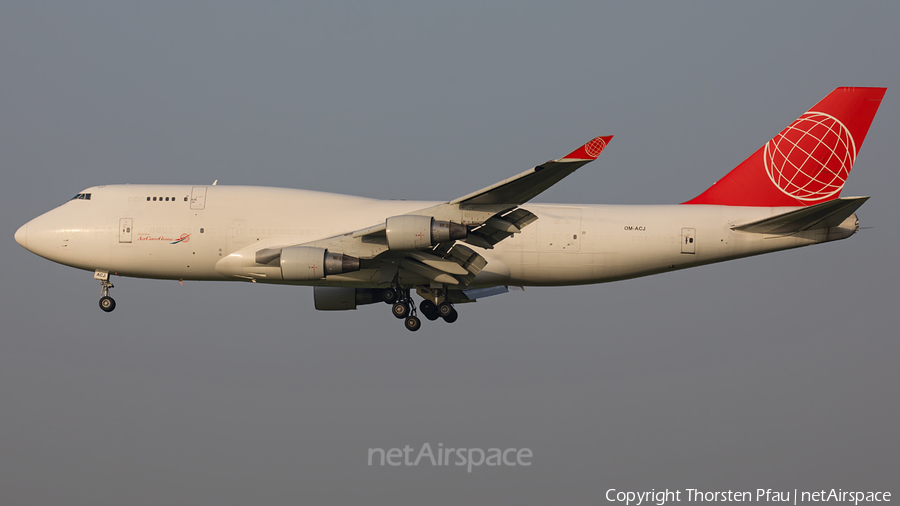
[154, 199]
[167, 199]
[148, 199]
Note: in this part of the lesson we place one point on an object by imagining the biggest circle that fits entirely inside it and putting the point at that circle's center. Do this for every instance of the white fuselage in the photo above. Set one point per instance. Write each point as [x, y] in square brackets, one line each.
[187, 237]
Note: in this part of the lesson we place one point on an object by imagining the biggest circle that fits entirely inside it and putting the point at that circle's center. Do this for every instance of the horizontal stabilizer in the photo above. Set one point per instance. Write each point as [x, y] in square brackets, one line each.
[825, 215]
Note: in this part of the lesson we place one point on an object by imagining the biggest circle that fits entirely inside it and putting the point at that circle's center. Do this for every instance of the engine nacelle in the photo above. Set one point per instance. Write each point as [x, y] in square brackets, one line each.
[305, 263]
[334, 298]
[409, 232]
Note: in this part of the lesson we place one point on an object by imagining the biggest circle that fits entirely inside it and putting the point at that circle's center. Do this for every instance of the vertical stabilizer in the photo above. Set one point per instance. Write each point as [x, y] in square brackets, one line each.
[808, 162]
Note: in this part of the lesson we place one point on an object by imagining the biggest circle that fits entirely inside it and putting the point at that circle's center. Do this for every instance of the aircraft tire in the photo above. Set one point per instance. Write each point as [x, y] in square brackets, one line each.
[444, 309]
[412, 323]
[400, 310]
[107, 304]
[452, 317]
[426, 306]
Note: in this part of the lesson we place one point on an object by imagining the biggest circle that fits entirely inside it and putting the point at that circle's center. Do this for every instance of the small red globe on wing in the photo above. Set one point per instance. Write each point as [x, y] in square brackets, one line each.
[595, 147]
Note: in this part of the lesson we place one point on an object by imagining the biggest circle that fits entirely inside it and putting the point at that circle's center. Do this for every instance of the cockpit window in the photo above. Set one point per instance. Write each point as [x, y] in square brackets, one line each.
[81, 196]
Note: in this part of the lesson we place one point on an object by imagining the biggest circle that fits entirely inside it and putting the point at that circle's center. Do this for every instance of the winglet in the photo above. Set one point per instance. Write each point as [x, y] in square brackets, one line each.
[590, 151]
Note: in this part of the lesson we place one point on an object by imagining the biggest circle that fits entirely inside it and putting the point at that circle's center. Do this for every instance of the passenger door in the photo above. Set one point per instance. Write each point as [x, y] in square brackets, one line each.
[125, 226]
[688, 240]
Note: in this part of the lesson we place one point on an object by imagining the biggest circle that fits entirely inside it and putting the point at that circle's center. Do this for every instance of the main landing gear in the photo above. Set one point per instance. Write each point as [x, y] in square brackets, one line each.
[403, 307]
[107, 303]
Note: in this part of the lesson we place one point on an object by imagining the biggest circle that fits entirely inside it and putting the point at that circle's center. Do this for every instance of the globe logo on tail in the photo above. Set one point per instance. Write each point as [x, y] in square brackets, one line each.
[811, 158]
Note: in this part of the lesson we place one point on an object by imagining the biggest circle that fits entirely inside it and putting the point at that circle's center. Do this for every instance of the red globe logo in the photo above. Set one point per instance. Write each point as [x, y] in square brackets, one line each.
[811, 158]
[595, 147]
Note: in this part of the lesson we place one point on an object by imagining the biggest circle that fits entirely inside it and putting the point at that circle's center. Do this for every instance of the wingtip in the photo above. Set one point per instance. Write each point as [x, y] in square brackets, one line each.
[590, 150]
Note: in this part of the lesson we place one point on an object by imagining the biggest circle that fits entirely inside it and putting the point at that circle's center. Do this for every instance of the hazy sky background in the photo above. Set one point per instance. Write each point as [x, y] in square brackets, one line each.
[779, 371]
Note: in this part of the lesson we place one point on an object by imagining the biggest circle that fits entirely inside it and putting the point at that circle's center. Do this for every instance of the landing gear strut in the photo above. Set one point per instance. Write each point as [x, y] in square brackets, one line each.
[107, 303]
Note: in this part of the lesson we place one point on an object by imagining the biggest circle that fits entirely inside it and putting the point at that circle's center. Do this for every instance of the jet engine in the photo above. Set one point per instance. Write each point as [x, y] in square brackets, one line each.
[336, 298]
[302, 263]
[410, 232]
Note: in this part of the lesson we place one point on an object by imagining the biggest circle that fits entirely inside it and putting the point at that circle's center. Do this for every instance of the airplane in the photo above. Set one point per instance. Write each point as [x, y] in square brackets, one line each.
[356, 251]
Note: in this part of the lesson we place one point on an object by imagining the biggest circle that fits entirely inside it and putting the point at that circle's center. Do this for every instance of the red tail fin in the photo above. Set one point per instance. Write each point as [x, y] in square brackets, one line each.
[808, 162]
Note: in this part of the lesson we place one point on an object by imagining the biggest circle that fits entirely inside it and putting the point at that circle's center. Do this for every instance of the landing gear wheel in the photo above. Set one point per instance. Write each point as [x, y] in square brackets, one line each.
[390, 295]
[450, 318]
[412, 323]
[107, 303]
[400, 310]
[428, 309]
[445, 309]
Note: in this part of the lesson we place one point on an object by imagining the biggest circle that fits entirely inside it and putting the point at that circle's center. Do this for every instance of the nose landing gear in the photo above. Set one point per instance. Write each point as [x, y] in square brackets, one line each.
[107, 303]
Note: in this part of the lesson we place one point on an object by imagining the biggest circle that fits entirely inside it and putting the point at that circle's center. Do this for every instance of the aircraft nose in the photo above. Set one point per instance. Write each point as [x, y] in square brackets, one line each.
[22, 236]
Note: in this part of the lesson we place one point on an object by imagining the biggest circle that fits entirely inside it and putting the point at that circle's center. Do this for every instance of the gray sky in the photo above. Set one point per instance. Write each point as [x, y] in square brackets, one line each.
[778, 371]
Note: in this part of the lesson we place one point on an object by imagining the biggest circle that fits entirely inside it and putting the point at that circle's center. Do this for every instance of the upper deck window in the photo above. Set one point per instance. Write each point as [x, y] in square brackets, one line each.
[81, 196]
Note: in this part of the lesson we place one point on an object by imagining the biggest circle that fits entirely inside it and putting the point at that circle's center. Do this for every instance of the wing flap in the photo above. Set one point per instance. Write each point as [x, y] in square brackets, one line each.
[439, 263]
[428, 272]
[499, 228]
[480, 293]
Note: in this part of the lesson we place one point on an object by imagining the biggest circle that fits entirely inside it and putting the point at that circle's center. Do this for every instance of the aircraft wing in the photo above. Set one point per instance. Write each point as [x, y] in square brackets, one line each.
[482, 218]
[525, 186]
[491, 213]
